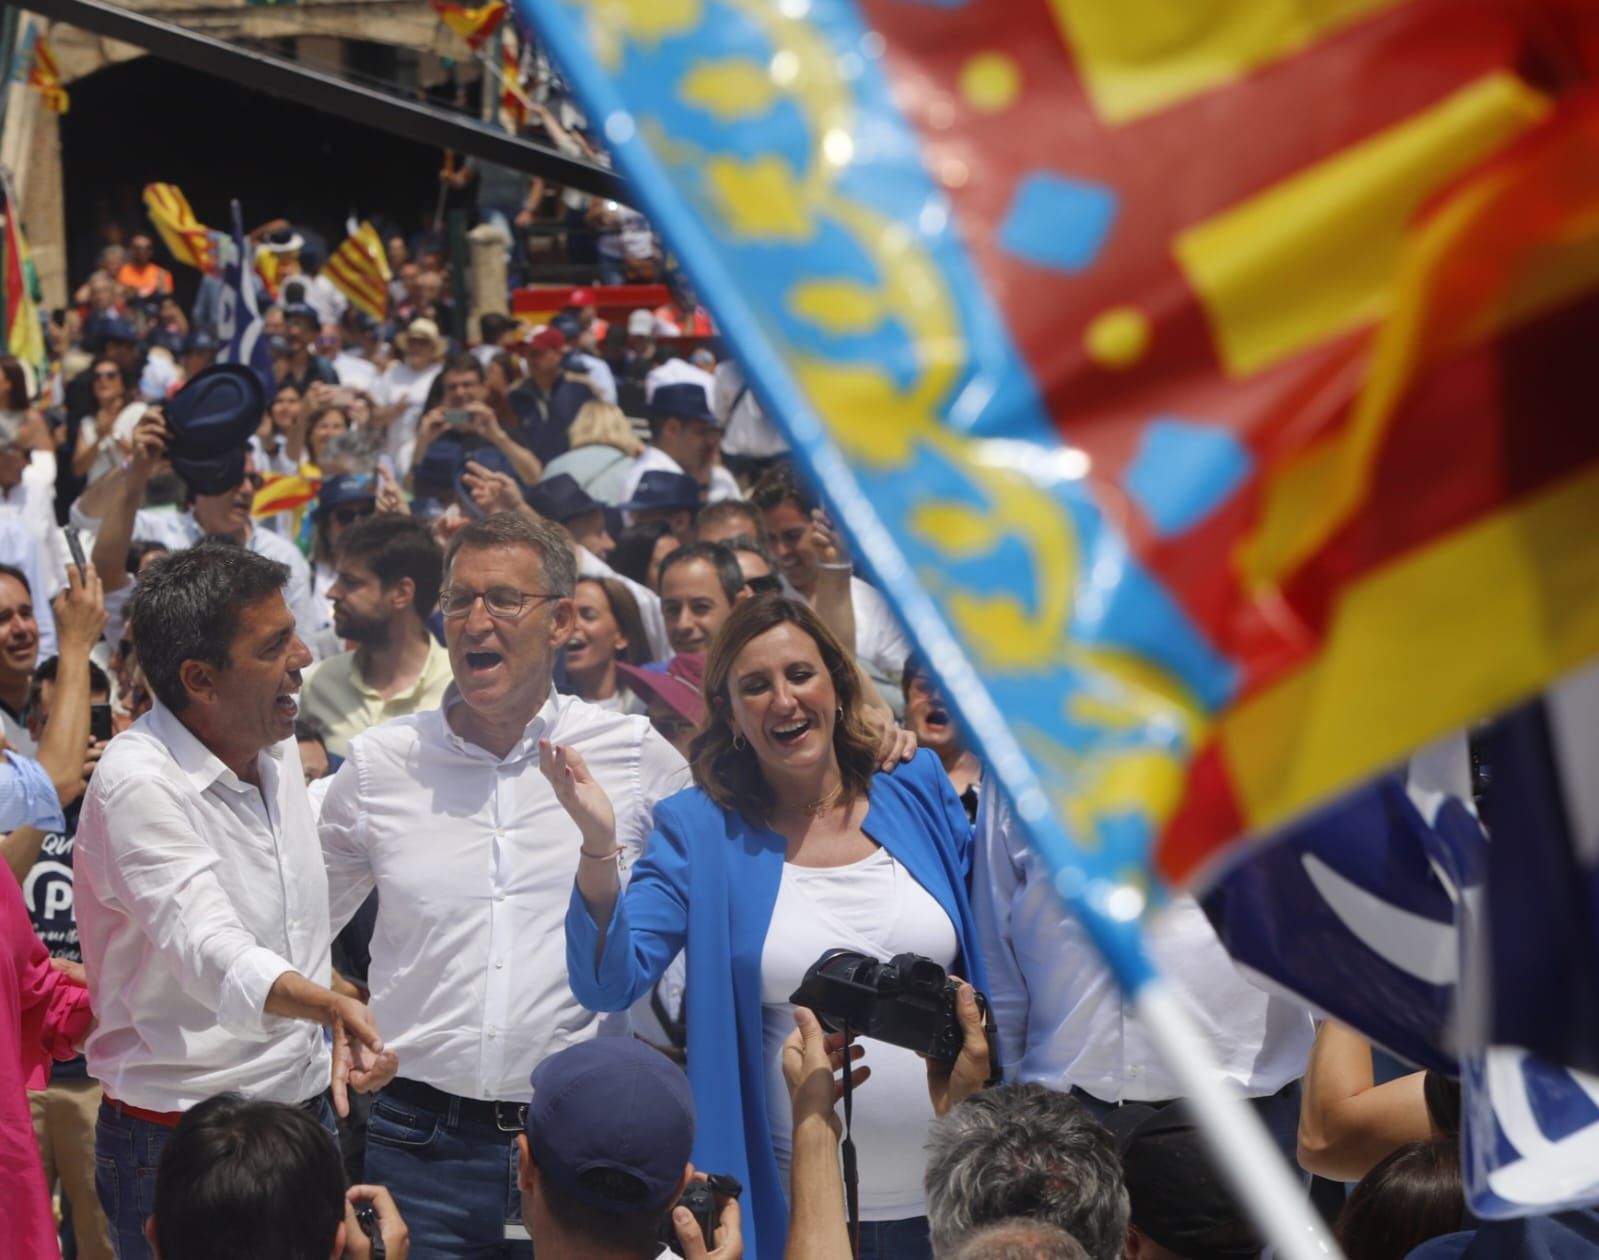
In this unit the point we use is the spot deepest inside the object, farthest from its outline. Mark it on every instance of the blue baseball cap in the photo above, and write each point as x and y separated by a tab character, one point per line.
347	488
685	400
661	489
615	1105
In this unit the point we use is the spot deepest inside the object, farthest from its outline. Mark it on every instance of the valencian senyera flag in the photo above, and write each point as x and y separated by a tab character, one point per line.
475	25
359	268
189	240
44	73
24	336
1208	385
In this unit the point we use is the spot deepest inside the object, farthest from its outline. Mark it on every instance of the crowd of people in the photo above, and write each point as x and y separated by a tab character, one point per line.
428	790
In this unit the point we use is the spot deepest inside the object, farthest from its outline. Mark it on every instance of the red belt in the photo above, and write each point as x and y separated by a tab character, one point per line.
166	1119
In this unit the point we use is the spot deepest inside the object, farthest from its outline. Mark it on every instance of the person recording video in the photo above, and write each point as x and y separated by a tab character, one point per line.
790	845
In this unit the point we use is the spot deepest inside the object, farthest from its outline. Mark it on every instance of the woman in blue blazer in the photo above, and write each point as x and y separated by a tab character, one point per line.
788	845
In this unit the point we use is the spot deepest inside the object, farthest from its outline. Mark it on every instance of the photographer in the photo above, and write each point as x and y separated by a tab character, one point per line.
241	1178
605	1158
774	854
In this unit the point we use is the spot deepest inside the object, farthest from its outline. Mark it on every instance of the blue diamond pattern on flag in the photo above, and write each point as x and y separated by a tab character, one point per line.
240	327
1374	908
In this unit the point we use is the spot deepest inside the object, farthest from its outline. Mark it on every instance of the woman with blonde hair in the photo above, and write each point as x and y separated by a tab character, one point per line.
790	844
601	446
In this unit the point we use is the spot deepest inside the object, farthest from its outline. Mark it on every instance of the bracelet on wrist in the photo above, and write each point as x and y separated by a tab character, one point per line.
602	857
835	566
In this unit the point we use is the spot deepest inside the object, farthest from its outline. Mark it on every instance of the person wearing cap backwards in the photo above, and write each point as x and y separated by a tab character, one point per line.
401	392
548	399
219	409
604	1157
446	815
684	433
669	497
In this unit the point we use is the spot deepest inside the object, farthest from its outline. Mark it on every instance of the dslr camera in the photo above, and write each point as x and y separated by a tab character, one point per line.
699	1197
908	1001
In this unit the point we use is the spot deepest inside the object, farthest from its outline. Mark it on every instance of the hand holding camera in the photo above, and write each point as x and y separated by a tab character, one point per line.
705	1224
374	1229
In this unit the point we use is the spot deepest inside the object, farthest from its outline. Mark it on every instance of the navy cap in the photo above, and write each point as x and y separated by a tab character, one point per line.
685	400
198	341
490	458
569	326
215	413
560	498
612	1104
661	489
301	310
347	488
114	328
216	474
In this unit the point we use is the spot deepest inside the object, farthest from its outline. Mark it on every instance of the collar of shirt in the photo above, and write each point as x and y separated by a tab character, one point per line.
527	747
437	661
201	766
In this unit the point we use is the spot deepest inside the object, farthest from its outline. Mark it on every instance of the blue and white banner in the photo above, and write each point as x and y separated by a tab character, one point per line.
240	328
1393	913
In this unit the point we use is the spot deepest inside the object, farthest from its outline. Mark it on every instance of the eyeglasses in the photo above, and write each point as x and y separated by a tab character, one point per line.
766	584
350	515
505	603
110	374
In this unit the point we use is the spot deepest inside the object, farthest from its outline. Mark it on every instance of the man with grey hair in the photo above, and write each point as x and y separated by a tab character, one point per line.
446	814
1025	1151
1019	1239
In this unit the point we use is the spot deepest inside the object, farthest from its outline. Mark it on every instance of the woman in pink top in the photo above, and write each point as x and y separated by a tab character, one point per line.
44	1014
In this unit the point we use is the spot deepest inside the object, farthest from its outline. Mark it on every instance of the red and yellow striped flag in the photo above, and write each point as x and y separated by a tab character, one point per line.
285	492
44	75
360	269
475	26
191	242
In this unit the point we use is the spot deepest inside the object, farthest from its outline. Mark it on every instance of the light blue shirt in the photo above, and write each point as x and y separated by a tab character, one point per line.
27	797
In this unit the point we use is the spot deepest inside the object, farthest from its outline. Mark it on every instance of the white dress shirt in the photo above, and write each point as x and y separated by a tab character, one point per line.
1060	1016
474	859
21	552
654	459
880	643
31	504
194	892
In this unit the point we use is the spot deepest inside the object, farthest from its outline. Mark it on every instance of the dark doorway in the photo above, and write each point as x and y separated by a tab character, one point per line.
149	120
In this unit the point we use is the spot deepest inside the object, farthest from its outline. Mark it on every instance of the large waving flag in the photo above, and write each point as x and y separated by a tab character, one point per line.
475	25
1205	384
189	240
360	270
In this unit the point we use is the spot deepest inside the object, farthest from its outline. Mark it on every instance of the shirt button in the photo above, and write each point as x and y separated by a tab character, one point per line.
498	963
499	895
491	1034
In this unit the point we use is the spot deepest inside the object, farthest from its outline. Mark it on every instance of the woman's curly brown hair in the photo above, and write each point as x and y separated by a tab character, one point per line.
731	776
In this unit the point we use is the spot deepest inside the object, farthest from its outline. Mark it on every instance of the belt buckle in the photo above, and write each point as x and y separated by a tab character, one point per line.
517	1113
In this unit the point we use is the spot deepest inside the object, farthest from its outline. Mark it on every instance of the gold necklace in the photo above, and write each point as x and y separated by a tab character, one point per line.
817	808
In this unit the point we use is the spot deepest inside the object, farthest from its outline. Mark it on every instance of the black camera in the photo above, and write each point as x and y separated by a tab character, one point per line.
699	1197
908	1001
366	1216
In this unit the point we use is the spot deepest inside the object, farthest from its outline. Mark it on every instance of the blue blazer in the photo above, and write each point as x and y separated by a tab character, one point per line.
706	884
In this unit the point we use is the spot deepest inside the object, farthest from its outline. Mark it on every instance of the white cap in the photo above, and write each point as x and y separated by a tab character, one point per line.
641	324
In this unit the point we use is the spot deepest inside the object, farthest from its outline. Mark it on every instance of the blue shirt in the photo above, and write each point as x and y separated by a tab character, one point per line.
729	870
27	797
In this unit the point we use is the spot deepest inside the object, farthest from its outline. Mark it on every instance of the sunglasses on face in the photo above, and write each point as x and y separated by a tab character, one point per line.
351	513
769	584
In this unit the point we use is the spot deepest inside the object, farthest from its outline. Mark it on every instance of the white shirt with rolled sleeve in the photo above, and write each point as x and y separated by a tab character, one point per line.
1062	1020
474	859
194	892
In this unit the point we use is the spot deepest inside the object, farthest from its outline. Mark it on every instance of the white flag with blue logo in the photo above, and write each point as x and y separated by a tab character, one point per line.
241	331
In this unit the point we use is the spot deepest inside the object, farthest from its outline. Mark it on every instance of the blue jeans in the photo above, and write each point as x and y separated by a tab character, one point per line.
454	1182
127	1152
896	1240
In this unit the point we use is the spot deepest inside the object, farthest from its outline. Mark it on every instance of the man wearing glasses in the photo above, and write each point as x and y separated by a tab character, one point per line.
447	815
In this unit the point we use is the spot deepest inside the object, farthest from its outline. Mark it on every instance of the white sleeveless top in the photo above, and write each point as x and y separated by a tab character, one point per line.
873	907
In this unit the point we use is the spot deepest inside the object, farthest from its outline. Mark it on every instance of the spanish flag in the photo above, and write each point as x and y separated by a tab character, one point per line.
360	269
286	492
44	75
475	26
191	242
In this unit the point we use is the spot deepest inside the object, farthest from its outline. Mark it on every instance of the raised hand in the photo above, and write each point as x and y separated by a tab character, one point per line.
580	795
